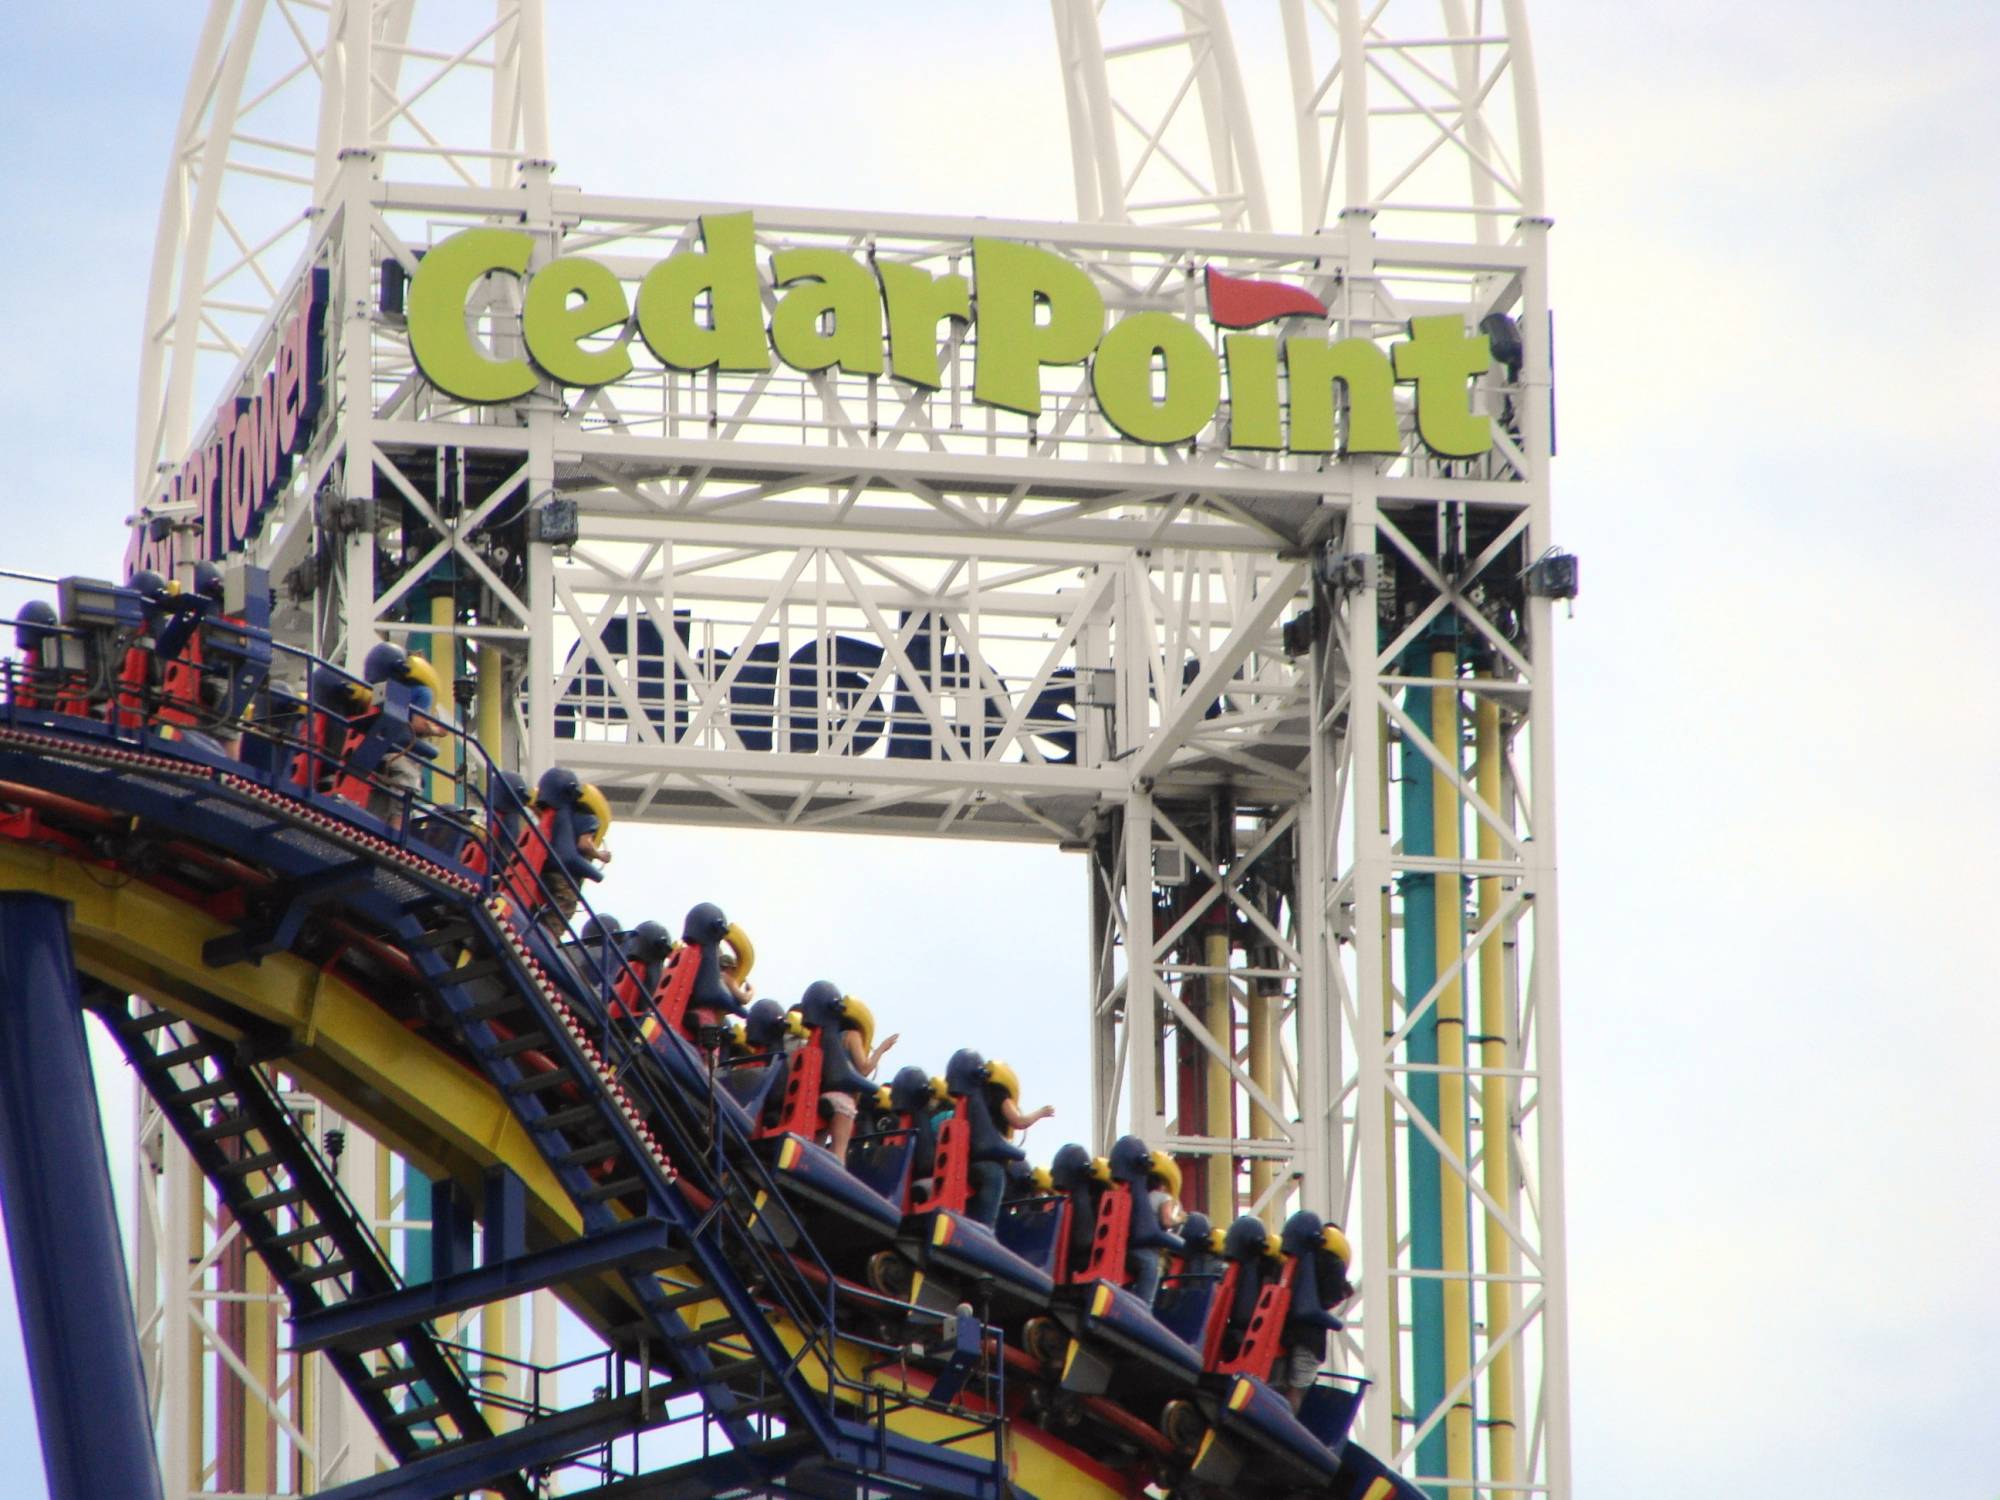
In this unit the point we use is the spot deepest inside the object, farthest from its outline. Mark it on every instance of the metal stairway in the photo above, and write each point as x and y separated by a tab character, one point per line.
658	1182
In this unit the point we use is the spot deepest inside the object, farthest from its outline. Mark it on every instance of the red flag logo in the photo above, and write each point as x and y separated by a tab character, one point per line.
1238	302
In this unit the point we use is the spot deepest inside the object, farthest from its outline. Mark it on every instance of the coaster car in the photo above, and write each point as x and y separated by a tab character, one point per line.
944	1241
1241	1432
863	1197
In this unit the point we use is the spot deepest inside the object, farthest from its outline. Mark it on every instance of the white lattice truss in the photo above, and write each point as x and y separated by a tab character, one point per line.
825	601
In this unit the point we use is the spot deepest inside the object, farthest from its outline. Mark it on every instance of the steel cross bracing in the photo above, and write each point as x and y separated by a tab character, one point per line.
281	91
821	601
1421	114
1159	125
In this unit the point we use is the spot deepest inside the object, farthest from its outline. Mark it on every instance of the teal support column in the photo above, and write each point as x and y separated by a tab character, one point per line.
1424	1206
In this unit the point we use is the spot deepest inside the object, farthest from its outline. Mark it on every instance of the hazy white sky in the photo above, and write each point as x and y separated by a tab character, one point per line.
1776	709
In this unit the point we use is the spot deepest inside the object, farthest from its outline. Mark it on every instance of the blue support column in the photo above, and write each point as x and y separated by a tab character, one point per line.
62	1225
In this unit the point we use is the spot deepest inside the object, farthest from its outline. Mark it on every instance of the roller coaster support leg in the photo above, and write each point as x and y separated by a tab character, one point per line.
62	1227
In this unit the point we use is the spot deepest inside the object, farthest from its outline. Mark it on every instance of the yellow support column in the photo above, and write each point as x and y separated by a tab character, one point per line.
491	702
1262	1023
260	1357
1496	1122
1448	844
444	660
498	1338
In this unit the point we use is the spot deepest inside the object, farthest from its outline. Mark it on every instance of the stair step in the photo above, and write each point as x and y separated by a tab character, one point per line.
225	1128
193	1052
201	1093
265	1202
153	1020
313	1275
294	1237
391	1379
456	932
596	1151
562	1119
416	1416
535	1083
513	1046
505	1004
243	1166
675	1301
709	1333
468	973
615	1189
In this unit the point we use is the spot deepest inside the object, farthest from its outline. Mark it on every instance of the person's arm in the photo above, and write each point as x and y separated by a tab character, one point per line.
882	1051
1011	1112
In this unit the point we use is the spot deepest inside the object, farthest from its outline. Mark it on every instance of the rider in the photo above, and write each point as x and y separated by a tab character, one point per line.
398	775
847	1065
35	633
1319	1284
573	833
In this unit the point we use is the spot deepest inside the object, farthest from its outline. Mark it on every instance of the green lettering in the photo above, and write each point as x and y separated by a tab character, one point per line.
554	328
1121	375
1312	367
725	268
442	344
1440	357
826	282
1252	359
917	302
1014	281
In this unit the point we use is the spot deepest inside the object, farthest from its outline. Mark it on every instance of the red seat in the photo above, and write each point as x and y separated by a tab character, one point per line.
1218	1315
180	686
951	1184
1263	1339
311	766
522	878
798	1106
1111	1237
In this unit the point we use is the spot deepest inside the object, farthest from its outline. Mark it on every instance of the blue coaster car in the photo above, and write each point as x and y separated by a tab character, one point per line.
1257	1441
960	1251
850	1213
1122	1348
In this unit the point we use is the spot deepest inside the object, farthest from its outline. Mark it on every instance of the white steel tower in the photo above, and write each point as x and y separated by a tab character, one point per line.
1293	705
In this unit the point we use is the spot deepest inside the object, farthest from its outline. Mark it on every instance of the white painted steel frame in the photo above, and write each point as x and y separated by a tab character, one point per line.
798	509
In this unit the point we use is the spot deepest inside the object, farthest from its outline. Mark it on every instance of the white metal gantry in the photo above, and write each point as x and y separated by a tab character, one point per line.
1323	879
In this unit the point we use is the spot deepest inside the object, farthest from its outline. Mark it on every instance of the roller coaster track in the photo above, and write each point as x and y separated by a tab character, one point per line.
263	925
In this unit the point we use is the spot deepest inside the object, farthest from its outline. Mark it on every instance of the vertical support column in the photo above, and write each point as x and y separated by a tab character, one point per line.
1447	841
1423	939
355	315
62	1223
1103	872
540	482
1218	1015
1545	980
1321	1154
1373	1005
1496	1115
183	1397
1142	1032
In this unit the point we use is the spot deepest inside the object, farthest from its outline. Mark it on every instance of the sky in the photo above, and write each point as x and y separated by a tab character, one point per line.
1778	786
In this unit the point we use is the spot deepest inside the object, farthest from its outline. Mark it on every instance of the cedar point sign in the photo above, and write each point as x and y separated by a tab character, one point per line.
1155	377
